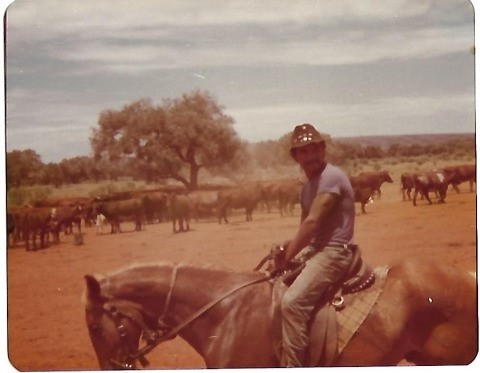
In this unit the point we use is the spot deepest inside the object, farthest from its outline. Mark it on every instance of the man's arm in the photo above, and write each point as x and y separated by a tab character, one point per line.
321	207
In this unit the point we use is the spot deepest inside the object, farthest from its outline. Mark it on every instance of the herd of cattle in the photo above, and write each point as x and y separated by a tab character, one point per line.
47	219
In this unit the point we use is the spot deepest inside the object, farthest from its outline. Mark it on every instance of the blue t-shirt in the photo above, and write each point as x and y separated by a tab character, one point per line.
338	227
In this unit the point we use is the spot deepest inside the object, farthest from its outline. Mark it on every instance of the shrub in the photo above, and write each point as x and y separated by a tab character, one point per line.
24	195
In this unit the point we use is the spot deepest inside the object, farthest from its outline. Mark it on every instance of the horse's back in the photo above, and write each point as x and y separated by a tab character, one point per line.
426	314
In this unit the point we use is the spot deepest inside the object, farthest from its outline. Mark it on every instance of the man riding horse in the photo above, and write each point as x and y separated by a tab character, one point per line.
323	241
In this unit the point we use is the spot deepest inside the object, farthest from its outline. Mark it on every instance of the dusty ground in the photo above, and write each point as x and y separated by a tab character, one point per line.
46	328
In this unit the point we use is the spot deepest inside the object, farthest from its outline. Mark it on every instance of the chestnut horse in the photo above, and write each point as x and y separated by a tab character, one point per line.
426	314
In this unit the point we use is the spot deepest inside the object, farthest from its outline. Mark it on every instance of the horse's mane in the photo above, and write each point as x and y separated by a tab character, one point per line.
104	279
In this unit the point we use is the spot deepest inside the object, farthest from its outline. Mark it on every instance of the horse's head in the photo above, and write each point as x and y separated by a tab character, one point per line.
114	326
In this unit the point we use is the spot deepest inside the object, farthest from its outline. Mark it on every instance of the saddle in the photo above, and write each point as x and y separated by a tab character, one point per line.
323	346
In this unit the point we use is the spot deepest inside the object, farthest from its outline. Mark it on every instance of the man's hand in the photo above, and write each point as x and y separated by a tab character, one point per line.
278	263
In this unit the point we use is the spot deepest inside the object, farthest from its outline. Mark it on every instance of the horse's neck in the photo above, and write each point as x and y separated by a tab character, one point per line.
177	293
196	288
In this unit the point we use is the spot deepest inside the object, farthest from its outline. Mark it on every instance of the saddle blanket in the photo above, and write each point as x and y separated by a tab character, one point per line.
357	308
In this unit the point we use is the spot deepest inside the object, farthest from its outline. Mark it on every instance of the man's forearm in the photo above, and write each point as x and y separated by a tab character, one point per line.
303	237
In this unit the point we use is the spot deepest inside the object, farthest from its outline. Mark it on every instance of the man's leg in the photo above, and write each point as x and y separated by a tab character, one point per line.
323	269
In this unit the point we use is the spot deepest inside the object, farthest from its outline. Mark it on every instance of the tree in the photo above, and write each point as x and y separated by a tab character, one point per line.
175	140
77	169
51	174
22	167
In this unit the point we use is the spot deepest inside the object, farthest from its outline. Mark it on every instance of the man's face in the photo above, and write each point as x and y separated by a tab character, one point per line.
311	158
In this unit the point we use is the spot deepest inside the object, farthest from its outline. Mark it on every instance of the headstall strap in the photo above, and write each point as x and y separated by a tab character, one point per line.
116	313
173	279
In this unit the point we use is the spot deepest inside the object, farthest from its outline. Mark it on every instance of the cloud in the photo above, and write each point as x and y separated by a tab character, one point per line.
272	63
135	36
399	115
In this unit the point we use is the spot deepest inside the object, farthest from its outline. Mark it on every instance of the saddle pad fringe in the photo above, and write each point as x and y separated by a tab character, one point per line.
358	306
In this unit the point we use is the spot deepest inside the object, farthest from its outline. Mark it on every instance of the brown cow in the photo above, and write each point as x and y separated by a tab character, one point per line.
35	221
289	195
372	180
269	193
407	180
180	208
437	181
462	173
246	196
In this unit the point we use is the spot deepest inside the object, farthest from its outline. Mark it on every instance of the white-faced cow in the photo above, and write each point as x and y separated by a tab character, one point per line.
372	180
432	181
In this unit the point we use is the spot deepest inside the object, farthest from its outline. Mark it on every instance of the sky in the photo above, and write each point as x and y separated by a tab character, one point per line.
351	68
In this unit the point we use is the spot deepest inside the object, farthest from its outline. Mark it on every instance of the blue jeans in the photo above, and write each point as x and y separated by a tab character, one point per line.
323	268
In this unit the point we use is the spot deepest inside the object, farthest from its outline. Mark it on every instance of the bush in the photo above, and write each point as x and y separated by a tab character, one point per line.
24	195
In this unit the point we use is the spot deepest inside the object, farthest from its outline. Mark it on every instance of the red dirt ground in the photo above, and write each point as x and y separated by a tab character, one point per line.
46	327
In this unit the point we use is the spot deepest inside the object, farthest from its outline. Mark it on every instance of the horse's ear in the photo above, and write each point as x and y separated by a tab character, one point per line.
93	286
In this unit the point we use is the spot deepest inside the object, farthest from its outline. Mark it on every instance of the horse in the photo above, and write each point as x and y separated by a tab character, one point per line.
426	315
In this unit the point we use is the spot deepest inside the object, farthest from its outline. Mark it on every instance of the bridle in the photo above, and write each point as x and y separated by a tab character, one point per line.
119	310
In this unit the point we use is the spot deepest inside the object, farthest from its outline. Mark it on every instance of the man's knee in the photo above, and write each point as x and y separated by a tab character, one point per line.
289	305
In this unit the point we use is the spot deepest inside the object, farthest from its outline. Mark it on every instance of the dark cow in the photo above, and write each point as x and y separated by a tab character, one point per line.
180	208
117	211
372	180
363	196
35	221
15	231
246	197
462	173
155	205
407	181
432	181
204	204
289	195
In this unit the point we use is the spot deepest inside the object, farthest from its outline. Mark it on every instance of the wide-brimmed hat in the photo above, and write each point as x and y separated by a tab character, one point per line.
304	134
